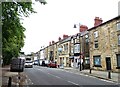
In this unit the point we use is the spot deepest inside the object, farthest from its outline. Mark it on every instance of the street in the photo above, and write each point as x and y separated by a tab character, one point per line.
54	76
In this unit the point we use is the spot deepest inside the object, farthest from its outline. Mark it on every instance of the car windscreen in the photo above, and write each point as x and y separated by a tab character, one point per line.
28	62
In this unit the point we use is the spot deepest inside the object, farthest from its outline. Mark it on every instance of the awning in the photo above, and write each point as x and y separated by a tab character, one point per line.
71	57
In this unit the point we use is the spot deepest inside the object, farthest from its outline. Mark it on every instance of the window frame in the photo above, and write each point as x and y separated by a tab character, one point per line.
119	39
96	58
96	43
96	34
118	26
117	61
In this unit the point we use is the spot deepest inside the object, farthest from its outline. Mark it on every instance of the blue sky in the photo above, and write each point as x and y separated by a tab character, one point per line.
57	17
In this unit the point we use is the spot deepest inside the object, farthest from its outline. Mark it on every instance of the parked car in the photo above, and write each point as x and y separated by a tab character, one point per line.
28	64
17	65
36	62
45	63
52	65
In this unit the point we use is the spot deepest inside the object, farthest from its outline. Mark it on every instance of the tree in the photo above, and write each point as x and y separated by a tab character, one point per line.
12	29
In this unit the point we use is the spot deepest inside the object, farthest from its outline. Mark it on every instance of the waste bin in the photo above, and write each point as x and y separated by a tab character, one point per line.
17	65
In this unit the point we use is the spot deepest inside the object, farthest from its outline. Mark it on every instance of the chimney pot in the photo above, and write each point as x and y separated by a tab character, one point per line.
59	38
65	36
97	21
83	28
53	42
49	43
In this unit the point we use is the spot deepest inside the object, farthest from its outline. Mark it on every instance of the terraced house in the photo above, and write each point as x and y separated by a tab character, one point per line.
105	44
97	47
64	51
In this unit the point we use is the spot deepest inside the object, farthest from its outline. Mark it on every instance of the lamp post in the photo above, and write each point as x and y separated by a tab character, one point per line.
78	38
79	46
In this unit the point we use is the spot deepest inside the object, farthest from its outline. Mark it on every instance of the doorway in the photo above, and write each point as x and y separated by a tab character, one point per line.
108	63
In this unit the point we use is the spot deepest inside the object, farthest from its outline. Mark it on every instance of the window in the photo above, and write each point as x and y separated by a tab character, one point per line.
95	34
72	48
118	26
96	43
72	41
87	61
118	60
65	47
78	39
77	48
118	39
86	38
97	61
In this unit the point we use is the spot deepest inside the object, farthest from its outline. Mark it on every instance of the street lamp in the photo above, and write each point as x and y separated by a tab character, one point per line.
79	50
79	46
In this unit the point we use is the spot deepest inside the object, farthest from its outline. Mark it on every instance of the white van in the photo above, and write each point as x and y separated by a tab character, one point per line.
28	63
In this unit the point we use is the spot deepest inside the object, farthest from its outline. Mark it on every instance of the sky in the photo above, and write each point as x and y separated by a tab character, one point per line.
58	17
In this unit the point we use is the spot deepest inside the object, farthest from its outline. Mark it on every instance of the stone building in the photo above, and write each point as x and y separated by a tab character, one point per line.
64	50
104	43
51	52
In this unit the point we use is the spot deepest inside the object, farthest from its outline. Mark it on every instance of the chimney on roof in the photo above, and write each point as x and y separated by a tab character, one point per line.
49	43
59	38
83	28
53	42
97	21
65	36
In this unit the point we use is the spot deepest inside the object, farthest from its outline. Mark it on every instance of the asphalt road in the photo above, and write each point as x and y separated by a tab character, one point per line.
54	76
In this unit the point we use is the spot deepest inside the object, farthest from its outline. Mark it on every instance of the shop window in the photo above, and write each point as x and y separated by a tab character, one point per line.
97	61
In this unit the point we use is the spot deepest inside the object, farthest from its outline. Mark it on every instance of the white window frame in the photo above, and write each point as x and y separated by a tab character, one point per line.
95	34
118	26
119	39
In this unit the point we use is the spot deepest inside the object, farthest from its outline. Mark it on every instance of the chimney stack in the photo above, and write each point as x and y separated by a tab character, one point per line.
83	28
97	21
49	43
59	38
65	36
53	42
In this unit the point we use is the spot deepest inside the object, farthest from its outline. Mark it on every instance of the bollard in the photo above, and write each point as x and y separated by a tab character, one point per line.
90	70
9	82
109	74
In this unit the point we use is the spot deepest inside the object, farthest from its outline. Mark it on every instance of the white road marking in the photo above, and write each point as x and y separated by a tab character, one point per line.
72	82
58	77
107	81
51	74
88	76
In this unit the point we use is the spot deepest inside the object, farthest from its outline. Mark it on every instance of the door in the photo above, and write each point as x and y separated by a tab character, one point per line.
108	63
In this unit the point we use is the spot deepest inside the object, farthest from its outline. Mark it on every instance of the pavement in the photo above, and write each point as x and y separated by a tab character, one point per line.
115	77
13	78
24	80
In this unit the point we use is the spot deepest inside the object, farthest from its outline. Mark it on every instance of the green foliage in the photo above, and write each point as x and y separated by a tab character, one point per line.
12	30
